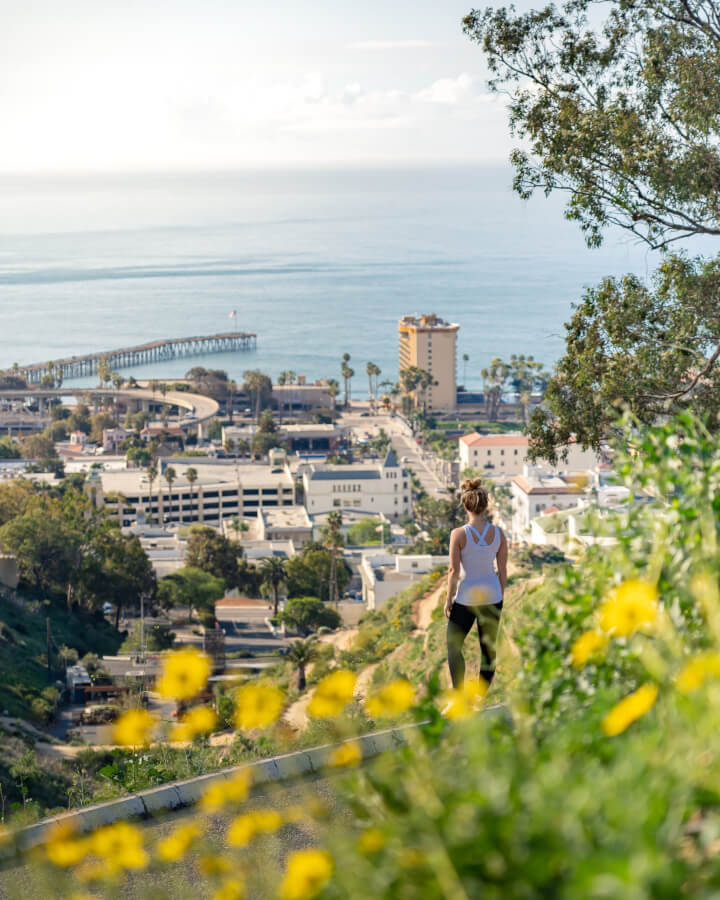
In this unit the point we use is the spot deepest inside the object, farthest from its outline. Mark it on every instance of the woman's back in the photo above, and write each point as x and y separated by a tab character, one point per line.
479	584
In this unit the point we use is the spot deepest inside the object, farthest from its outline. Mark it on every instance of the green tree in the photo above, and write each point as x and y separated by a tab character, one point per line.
333	390
152	474
617	105
630	346
191	587
170	476
494	378
213	553
258	386
347	375
301	654
192	476
333	539
309	573
38	446
9	449
272	573
306	614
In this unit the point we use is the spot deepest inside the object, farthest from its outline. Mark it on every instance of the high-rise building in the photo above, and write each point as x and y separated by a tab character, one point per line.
430	343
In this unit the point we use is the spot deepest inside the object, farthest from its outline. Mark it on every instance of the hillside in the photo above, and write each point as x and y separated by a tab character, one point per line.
23	650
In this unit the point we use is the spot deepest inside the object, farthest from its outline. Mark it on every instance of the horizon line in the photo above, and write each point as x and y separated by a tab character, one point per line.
256	166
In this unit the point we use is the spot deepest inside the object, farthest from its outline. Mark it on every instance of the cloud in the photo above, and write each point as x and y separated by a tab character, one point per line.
449	91
392	45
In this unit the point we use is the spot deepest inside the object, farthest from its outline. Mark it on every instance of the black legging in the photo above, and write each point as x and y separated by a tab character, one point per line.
460	622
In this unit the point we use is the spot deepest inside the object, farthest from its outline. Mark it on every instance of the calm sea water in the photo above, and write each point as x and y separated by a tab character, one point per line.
316	263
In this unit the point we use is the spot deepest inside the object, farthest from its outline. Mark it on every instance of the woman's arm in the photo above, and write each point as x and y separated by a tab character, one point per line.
502	557
453	568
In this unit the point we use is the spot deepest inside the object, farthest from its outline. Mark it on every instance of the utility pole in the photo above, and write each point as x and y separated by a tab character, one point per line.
48	638
142	628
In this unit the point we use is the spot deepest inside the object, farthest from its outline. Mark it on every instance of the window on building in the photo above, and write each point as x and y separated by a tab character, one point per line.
336	502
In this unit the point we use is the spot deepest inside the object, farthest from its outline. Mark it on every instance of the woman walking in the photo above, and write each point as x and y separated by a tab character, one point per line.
476	550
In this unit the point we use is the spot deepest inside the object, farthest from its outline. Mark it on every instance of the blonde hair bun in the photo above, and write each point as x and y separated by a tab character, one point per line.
471	484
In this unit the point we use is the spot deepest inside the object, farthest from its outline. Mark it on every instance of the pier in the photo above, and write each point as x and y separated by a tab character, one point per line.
155	351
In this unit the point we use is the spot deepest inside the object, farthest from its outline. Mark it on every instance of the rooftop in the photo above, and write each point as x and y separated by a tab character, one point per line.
344	473
511	438
426	322
208	473
285	517
550	484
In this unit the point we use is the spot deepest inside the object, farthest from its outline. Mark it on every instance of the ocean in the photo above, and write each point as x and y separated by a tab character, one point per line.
316	262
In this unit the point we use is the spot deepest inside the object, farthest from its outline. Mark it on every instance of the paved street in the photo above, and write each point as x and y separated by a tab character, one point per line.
404	446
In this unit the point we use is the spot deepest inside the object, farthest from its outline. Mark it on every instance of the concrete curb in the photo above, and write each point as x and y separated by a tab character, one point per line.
177	794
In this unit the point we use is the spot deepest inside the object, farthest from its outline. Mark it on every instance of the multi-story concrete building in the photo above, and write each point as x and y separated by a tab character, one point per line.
430	343
380	488
506	454
222	489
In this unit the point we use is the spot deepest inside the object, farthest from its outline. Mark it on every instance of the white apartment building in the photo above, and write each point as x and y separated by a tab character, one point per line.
506	454
223	489
372	489
533	493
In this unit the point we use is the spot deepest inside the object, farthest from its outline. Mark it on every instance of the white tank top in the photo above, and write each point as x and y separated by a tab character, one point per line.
479	583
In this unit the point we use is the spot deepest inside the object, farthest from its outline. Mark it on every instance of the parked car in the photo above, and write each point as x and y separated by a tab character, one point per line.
107	609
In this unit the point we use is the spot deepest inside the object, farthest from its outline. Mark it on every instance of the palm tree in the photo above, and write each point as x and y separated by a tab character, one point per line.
192	476
152	474
232	389
372	370
333	391
301	653
347	374
465	359
333	540
170	476
272	570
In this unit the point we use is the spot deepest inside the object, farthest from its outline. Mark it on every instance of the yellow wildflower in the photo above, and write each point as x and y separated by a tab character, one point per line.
230	790
696	672
586	646
463	702
184	674
411	858
371	841
392	700
629	709
631	607
230	890
64	849
133	728
120	845
308	871
257	706
332	694
199	720
177	844
213	865
347	754
244	828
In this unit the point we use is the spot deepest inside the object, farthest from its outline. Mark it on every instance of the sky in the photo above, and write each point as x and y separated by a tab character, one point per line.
98	85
